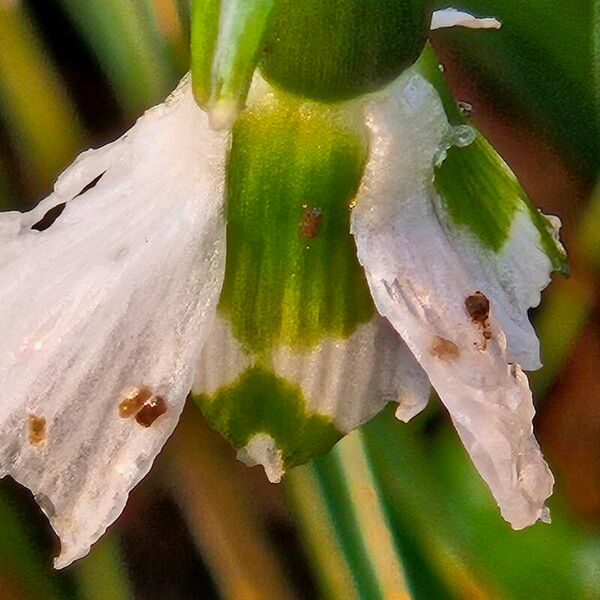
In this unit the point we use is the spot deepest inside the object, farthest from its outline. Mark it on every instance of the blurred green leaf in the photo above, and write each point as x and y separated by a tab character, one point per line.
428	482
35	108
101	574
131	49
21	560
542	62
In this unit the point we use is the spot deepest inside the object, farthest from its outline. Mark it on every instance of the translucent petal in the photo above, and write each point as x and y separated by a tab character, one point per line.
103	314
451	17
421	282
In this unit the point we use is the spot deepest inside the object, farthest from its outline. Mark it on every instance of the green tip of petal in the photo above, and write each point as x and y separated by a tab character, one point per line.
259	408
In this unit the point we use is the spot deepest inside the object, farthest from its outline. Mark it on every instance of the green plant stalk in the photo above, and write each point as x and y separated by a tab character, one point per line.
381	550
102	573
20	558
39	116
326	556
344	516
226	38
126	40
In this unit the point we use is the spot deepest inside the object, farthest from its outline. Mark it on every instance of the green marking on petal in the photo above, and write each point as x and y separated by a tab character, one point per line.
292	275
259	402
479	190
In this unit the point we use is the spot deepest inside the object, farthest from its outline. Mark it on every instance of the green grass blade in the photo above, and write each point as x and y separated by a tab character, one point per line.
130	48
34	106
102	574
542	64
326	557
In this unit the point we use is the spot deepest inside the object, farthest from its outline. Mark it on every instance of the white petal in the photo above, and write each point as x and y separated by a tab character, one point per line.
117	294
450	17
514	277
351	380
420	283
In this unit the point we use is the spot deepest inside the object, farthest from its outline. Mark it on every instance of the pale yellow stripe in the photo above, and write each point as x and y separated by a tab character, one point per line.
334	578
371	518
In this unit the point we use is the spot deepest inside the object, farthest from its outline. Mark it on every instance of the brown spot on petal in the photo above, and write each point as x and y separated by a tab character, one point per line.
444	349
478	307
134	401
311	222
37	429
151	411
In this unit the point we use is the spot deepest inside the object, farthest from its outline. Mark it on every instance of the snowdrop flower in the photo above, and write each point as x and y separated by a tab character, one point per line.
270	270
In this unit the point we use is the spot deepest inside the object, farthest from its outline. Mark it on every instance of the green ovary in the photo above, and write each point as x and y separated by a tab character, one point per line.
292	276
337	49
260	402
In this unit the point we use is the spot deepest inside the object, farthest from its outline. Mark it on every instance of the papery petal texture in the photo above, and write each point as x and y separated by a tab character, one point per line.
103	314
422	282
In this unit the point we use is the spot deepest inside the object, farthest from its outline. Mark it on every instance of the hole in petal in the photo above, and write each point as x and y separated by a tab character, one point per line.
37	429
151	411
50	217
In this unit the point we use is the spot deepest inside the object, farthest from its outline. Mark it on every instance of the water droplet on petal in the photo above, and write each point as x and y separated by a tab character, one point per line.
463	135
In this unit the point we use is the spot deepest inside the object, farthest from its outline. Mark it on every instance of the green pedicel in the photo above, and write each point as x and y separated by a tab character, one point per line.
260	402
292	276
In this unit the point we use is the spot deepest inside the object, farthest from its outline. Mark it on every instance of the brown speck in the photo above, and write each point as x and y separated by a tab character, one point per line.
311	222
151	411
478	307
134	401
444	349
37	430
